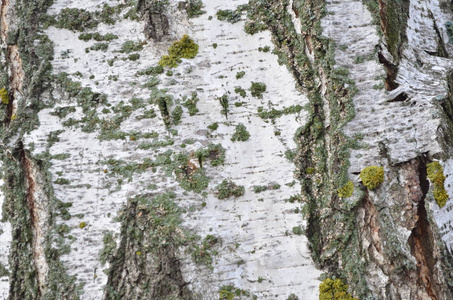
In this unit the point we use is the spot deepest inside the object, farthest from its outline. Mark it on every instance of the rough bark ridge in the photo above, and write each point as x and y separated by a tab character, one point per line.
36	272
156	22
388	234
146	265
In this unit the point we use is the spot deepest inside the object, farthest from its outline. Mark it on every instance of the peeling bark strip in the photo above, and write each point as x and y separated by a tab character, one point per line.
37	202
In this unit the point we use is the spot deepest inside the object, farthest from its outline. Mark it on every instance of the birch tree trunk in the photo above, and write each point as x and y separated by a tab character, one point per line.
210	149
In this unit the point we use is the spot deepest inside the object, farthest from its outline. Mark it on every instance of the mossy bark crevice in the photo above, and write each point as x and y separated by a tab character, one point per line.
393	18
30	205
446	130
36	270
38	207
156	22
146	264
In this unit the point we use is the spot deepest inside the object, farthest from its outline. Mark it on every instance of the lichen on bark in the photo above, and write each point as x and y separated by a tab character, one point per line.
30	205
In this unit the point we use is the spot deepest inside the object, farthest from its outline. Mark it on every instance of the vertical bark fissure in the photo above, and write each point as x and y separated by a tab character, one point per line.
393	15
35	202
421	241
14	62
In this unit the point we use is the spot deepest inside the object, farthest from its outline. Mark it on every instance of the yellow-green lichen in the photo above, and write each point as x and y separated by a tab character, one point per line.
436	175
372	177
185	48
82	225
4	96
331	289
346	190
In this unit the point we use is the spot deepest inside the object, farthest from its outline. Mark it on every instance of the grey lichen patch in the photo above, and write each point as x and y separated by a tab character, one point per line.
214	153
261	188
202	253
273	113
189	176
191	103
194	8
229	292
80	19
228	188
231	16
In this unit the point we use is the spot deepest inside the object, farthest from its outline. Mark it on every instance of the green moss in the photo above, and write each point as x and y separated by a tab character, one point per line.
229	15
331	289
224	101
346	190
177	114
108	250
73	19
252	27
188	175
449	29
97	37
62	112
226	293
191	103
4	96
82	225
240	91
153	70
131	46
240	74
275	113
184	48
62	181
203	253
151	235
194	8
99	47
297	230
394	26
213	126
290	154
228	188
261	188
372	177
134	56
338	251
257	89
164	102
155	144
435	173
214	153
240	133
